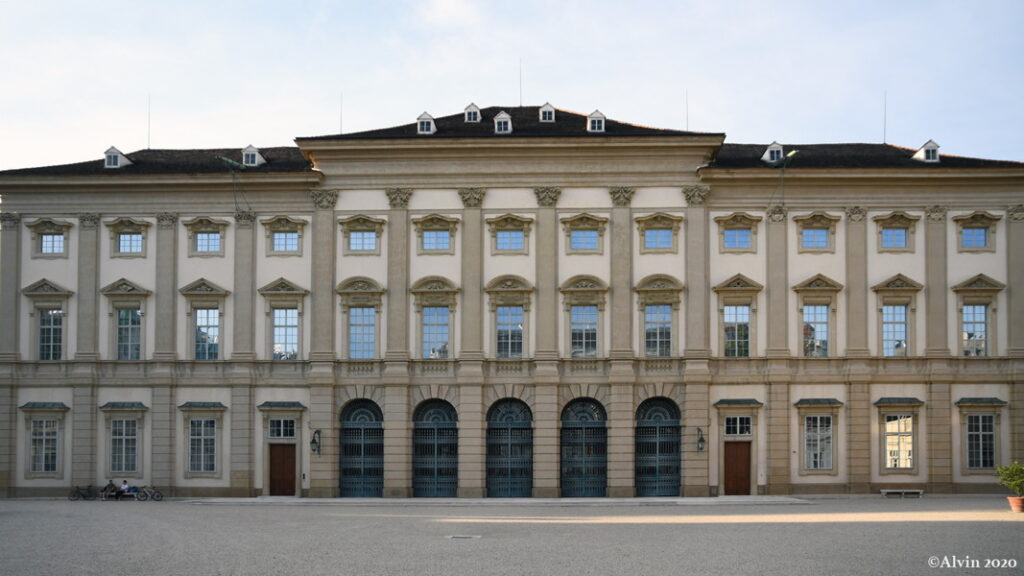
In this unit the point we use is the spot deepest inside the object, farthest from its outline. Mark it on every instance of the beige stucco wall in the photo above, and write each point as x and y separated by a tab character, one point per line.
802	266
725	265
296	269
132	394
885	265
965	265
141	271
912	390
43	394
840	434
202	394
60	271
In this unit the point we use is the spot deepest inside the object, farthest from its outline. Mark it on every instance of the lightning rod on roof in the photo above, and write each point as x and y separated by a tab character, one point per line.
687	109
885	115
341	112
520	81
149	118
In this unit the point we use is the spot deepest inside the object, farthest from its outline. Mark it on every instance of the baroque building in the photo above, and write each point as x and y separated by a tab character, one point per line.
517	301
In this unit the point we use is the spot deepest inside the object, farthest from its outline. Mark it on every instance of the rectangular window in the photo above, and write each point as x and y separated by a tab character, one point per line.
737	425
894	330
44	446
113	160
510	240
899	441
547	115
282	428
51	243
362	333
123	445
435	332
596	125
425	126
437	240
286	334
51	334
129	243
981	441
202	448
818	442
894	238
657	238
583	320
975	330
472	116
362	241
129	334
975	237
737	238
285	242
736	321
816	331
583	240
814	238
249	159
207	333
658	330
501	126
510	331
208	242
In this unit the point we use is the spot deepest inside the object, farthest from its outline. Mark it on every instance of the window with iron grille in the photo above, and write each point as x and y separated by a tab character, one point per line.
435	332
282	428
583	320
899	441
894	330
818	442
202	449
207	343
736	321
510	331
362	333
123	445
658	330
737	425
44	446
129	334
51	334
981	441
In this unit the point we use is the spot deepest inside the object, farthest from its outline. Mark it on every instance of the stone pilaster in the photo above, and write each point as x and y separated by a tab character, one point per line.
396	354
163	419
777	284
472	442
621	440
472	312
397	443
83	435
698	323
546	443
1017	419
1015	280
323	319
546	413
10	263
779	454
242	437
858	448
243	319
936	285
620	409
87	330
940	435
696	408
857	309
166	293
324	480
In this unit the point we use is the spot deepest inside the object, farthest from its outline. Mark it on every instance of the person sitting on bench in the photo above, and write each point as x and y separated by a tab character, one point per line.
122	491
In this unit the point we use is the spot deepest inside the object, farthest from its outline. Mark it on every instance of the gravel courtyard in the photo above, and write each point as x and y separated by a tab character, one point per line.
729	536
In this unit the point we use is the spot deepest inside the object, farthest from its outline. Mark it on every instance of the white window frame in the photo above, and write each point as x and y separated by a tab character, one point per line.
126	295
435	223
580	222
282	294
992	407
204	295
127	226
283	225
979	290
435	292
545	110
360	292
977	220
584	290
658	290
738	290
738	221
659	221
503	123
361	224
205	225
896	221
819	290
898	291
511	291
596	122
131	411
202	411
819	408
47	297
44	227
816	221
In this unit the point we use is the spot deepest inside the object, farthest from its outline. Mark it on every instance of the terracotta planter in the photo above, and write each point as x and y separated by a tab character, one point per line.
1016	503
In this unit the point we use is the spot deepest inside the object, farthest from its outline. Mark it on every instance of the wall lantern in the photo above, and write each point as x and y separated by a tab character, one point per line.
700	440
314	444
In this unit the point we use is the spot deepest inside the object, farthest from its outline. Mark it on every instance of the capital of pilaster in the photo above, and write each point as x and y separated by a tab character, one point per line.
166	220
472	197
324	199
622	196
935	213
9	220
1016	213
399	197
696	194
856	213
547	197
89	221
245	218
777	213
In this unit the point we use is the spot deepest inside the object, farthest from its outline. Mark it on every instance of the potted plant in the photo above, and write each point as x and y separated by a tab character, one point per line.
1012	476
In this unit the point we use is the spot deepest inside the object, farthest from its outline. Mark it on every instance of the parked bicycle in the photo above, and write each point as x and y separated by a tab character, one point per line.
87	493
147	492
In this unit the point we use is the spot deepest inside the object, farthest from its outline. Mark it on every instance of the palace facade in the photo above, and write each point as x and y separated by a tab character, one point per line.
505	302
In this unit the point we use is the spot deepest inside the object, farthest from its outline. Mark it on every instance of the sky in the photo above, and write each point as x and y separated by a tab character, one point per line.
82	76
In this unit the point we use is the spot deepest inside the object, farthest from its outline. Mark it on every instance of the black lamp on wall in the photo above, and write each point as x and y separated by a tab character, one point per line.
314	444
700	440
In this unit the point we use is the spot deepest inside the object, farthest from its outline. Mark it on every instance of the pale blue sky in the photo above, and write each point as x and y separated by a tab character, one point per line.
225	74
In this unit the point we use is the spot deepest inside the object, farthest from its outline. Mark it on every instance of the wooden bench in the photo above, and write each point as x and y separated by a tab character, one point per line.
903	492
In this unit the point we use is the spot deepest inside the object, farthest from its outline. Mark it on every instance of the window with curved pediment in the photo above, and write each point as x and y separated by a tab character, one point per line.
284	235
896	232
584	300
584	234
435	299
205	237
49	238
510	234
976	232
361	235
284	306
361	300
509	300
659	233
817	232
658	299
737	233
49	311
435	234
128	237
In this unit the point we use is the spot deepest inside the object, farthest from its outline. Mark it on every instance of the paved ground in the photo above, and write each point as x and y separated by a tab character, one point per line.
858	535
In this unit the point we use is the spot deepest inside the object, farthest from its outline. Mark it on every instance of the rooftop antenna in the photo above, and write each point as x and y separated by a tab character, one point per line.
885	115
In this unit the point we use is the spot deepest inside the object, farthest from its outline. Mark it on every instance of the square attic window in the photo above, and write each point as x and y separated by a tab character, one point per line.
249	159
112	161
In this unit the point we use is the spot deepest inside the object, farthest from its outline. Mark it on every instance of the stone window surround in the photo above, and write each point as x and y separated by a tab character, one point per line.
658	221
981	406
281	294
893	407
435	222
738	291
282	410
125	225
584	221
583	290
977	219
360	292
738	221
125	411
205	224
819	407
509	222
434	291
126	295
738	407
983	291
361	223
658	290
48	226
896	220
283	224
898	291
819	290
817	219
44	411
509	290
204	295
203	411
46	295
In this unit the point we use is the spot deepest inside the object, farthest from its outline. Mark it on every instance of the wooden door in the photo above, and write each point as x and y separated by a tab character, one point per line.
737	468
282	469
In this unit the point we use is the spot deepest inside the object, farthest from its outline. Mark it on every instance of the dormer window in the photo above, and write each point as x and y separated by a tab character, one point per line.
595	122
113	158
251	157
112	161
774	154
425	124
547	113
927	153
931	155
503	123
472	113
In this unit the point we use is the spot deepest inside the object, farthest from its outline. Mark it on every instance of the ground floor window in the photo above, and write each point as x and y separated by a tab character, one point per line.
202	448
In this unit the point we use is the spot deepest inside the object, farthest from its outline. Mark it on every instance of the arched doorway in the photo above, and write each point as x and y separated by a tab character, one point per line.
657	448
435	450
362	450
509	450
584	449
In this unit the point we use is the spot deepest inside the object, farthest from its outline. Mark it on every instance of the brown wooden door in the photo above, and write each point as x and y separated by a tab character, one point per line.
282	469
737	468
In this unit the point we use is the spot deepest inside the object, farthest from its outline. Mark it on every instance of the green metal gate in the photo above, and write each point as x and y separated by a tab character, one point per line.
509	450
584	449
657	448
435	457
362	450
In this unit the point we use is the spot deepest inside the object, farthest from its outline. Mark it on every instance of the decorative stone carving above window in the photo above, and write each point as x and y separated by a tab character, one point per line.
283	225
580	222
738	286
735	224
898	220
361	223
547	197
398	198
360	292
435	223
816	221
282	293
124	288
509	223
584	290
622	196
127	226
472	197
205	225
696	194
434	291
818	284
975	221
49	237
204	294
659	221
658	289
509	290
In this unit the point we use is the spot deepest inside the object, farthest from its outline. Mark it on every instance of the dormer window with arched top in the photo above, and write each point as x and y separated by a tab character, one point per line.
595	122
547	113
472	113
425	124
503	123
